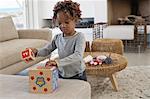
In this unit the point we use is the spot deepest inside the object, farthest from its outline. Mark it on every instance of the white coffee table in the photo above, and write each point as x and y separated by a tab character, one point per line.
17	87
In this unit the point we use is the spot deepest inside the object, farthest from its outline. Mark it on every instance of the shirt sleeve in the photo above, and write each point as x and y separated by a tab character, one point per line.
77	56
46	50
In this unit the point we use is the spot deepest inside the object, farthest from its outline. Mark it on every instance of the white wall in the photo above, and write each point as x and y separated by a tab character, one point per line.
100	11
90	8
46	8
87	8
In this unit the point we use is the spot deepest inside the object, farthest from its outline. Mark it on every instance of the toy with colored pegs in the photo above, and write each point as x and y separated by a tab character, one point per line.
99	60
95	62
43	80
27	55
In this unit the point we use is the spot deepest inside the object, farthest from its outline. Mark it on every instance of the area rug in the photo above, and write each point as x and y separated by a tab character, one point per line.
134	83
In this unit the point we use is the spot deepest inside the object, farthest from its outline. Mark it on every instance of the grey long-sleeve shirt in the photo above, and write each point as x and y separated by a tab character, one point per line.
70	50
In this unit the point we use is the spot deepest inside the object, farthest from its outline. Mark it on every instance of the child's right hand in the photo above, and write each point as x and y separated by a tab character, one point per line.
34	50
51	63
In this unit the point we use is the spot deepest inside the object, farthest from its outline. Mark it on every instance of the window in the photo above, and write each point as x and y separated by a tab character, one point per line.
16	9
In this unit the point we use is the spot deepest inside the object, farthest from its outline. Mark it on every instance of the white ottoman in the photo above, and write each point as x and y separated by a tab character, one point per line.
123	32
17	87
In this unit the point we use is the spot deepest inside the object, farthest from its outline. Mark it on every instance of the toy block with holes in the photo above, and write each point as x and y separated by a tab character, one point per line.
43	80
27	55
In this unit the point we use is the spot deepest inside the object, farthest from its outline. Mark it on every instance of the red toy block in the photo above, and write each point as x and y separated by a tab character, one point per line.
28	55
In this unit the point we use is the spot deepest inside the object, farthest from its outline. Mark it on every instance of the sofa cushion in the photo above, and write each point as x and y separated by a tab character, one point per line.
17	87
10	52
7	29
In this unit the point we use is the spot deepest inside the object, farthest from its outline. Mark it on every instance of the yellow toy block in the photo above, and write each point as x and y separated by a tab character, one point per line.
43	80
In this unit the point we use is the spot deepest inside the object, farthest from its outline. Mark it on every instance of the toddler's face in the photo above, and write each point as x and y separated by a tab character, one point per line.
66	24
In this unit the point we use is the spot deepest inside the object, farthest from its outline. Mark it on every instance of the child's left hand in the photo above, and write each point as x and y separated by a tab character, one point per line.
51	63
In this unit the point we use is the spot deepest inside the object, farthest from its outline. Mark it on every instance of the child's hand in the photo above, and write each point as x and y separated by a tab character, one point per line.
51	63
34	50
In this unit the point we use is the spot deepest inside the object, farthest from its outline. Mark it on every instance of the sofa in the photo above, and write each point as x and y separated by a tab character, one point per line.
17	87
13	41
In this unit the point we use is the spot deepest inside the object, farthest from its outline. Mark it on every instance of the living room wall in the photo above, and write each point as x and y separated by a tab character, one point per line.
122	8
145	9
116	9
90	8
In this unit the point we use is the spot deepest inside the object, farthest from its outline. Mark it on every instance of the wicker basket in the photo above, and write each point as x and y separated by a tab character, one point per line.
107	45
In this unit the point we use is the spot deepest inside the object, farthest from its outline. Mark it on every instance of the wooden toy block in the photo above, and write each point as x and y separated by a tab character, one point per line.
43	80
28	55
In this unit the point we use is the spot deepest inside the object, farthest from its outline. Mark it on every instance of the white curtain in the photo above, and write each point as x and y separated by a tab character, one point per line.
16	9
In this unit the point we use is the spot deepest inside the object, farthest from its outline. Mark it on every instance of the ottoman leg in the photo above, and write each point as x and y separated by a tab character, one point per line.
114	82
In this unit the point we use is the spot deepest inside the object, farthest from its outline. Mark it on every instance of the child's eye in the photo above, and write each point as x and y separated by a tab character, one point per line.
59	23
67	22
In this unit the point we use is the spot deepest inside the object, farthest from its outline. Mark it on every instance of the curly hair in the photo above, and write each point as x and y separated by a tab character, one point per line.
69	7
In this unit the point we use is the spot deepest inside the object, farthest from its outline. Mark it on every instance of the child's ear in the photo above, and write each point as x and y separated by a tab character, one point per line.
76	20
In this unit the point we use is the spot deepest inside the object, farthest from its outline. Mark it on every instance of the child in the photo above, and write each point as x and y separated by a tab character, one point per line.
70	44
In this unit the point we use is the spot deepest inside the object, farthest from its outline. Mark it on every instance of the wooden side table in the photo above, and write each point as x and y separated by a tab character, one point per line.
108	70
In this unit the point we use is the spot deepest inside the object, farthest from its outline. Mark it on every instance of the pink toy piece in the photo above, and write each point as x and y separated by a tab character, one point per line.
92	62
95	62
100	62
